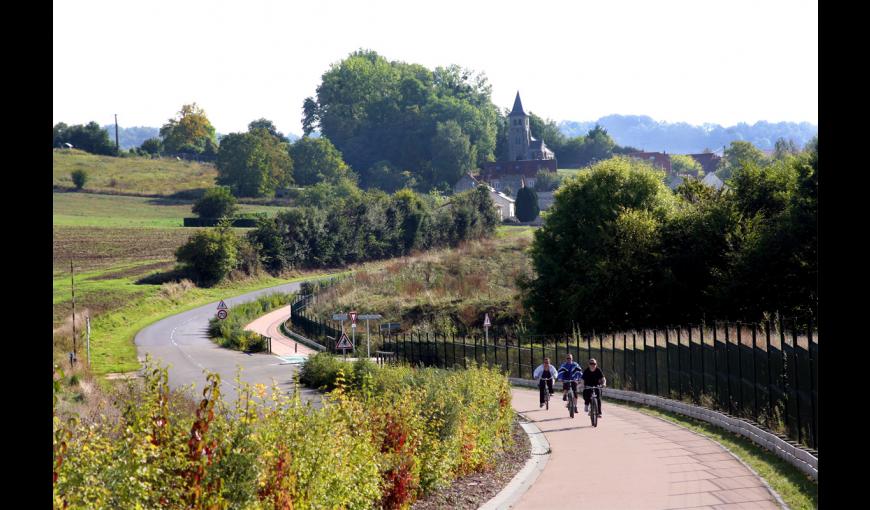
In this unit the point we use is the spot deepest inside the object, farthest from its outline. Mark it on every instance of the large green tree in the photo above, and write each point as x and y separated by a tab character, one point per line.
593	257
317	160
738	154
452	153
254	164
527	204
189	133
375	110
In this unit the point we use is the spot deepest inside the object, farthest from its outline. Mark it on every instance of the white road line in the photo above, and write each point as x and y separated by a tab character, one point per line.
172	338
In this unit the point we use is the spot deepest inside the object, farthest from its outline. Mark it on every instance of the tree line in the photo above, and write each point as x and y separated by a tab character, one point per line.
621	250
365	225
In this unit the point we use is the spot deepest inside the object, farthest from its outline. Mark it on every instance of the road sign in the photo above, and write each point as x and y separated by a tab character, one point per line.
486	322
339	316
369	316
390	326
353	318
344	342
222	305
222	314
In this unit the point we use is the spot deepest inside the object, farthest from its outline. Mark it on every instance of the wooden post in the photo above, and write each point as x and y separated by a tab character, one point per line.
73	277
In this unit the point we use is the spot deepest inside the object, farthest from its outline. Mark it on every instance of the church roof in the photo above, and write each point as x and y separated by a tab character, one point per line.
518	106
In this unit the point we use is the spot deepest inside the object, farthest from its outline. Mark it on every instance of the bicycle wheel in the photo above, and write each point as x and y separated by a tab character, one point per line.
571	406
593	411
547	398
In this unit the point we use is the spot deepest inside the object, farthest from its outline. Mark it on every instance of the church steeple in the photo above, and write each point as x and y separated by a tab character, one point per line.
520	134
518	106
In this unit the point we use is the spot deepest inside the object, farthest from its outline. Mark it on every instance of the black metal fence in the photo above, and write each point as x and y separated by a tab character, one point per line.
766	373
763	372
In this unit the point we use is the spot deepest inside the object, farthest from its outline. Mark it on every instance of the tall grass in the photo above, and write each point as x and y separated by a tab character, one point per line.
383	438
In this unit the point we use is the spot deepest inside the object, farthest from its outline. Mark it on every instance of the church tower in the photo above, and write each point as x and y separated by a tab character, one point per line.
519	134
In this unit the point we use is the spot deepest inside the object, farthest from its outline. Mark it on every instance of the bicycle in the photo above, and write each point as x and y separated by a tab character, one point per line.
594	404
572	398
542	386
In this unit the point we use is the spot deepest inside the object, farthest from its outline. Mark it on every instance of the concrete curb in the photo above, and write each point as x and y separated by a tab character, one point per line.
796	456
523	480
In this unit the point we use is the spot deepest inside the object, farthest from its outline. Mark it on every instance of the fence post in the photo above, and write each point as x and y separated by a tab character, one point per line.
770	407
797	366
624	359
656	362
691	366
645	369
507	355
464	354
679	363
634	359
742	403
668	360
784	378
703	367
588	347
814	417
754	374
519	357
728	371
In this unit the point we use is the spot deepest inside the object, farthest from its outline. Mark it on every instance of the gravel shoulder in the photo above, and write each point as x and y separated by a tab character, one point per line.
470	492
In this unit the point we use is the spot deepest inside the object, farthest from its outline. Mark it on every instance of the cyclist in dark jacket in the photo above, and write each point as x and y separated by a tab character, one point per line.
569	372
592	376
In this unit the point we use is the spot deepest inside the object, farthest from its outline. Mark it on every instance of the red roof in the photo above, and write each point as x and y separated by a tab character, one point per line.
526	168
658	159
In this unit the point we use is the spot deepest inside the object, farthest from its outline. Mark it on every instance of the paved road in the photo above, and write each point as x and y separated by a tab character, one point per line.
270	325
633	461
182	342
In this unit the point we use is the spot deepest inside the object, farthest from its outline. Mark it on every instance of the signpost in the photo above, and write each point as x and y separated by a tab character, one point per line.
486	325
368	317
353	316
343	344
352	327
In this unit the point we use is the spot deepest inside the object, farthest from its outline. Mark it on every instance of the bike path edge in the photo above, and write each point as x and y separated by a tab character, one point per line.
523	480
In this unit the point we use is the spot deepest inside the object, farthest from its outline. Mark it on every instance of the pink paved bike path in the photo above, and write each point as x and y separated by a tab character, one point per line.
633	461
268	325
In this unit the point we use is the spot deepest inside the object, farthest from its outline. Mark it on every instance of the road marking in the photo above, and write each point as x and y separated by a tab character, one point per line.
172	339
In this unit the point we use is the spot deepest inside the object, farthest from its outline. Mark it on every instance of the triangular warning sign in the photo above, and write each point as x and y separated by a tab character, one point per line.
222	305
344	342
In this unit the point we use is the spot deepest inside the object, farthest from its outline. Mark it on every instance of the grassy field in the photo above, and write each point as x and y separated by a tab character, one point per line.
131	175
796	489
443	290
96	210
568	172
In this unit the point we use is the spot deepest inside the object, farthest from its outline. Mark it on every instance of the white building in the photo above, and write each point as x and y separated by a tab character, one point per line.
503	203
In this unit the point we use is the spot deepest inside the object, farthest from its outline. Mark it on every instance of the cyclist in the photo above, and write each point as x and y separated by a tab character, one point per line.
592	376
569	372
545	373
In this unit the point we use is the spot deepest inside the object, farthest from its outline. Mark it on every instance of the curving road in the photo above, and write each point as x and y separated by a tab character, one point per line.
181	342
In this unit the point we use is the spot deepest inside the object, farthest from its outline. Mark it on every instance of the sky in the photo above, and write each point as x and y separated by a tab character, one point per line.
711	61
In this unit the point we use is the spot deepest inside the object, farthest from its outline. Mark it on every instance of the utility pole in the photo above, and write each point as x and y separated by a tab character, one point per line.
88	322
117	144
73	276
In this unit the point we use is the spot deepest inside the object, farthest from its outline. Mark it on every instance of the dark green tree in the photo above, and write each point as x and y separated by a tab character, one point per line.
153	146
209	255
217	202
254	164
527	204
317	160
79	178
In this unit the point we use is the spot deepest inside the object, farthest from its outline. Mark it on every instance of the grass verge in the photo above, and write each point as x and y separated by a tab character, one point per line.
796	489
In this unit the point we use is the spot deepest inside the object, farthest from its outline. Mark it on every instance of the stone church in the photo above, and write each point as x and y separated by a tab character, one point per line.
526	155
521	144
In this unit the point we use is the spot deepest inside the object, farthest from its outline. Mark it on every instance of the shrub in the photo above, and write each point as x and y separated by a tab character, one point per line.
320	371
378	441
527	204
79	178
210	254
217	202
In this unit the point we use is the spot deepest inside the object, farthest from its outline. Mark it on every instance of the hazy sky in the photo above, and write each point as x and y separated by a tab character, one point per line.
694	61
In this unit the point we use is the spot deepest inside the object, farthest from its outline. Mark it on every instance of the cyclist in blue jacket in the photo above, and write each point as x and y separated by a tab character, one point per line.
569	372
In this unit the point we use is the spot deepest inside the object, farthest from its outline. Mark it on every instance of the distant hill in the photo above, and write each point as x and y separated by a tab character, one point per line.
131	136
134	136
643	132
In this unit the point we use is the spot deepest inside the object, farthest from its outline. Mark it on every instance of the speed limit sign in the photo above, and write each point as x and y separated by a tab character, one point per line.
222	314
